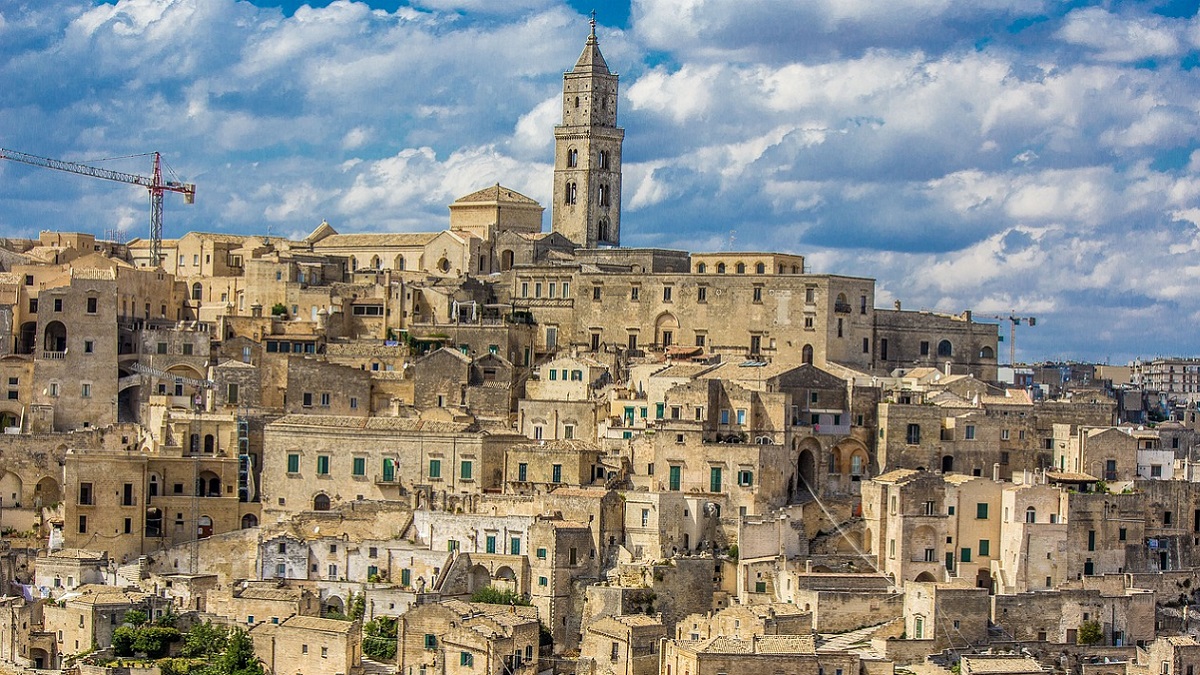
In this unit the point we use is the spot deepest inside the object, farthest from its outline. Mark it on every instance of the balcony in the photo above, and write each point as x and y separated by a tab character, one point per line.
841	307
54	356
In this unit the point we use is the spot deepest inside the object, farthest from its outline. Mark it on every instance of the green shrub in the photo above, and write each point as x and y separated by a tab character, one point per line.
495	596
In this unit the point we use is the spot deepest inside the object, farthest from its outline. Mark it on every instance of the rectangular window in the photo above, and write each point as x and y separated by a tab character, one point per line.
674	478
82	524
702	294
430	641
58	304
595	292
359	467
913	435
634	292
741	416
514	546
85	390
556	473
924	348
541	554
965	555
322	465
714	479
466	659
435	468
985	547
523	472
490	543
970	432
307	399
757	296
465	470
981	511
745	478
666	293
231	393
293	463
324	400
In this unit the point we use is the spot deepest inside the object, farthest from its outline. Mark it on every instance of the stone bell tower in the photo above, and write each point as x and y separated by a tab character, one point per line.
587	153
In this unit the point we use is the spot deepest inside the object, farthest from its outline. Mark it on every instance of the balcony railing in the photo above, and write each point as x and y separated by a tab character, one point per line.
54	356
841	307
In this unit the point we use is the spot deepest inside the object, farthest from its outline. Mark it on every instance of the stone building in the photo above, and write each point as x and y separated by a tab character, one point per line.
248	603
459	637
308	643
623	645
90	616
759	654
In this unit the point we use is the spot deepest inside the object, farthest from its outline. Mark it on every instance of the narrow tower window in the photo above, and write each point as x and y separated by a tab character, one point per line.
572	158
603	159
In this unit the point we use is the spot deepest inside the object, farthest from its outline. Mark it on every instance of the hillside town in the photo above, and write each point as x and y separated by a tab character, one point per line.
492	449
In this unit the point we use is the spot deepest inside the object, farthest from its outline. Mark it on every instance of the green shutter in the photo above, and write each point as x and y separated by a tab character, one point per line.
674	479
360	466
435	468
293	463
714	479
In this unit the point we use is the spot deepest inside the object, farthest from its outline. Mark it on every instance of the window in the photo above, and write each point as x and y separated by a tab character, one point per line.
430	641
325	400
82	524
161	348
306	400
359	467
965	555
293	463
543	581
490	543
602	159
702	294
666	293
714	479
757	295
523	471
514	546
466	659
745	478
92	305
866	346
913	435
572	158
1091	540
985	547
970	432
435	468
924	348
1004	434
231	393
322	465
595	292
85	390
1110	469
465	470
58	304
541	553
981	511
674	478
556	473
1156	470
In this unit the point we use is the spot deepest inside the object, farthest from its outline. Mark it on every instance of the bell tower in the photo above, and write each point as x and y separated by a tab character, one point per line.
587	153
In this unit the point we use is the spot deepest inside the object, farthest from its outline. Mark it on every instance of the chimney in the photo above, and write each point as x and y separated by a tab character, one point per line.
896	304
996	472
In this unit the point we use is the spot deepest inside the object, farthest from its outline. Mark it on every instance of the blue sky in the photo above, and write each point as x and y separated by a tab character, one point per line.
1026	155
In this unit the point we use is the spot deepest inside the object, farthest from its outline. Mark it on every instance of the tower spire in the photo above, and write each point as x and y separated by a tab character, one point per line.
593	24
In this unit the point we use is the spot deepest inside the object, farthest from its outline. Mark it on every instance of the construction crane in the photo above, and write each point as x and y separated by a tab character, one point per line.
154	184
1013	320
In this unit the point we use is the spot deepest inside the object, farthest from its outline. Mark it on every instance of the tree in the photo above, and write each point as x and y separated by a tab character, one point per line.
205	639
122	641
358	606
379	638
1089	633
238	657
495	596
135	617
279	309
154	640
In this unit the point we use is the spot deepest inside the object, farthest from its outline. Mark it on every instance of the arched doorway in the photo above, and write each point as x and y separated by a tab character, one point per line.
27	338
806	354
10	488
55	337
947	464
666	328
505	579
249	521
944	348
47	492
321	502
333	605
204	527
807	466
210	444
478	578
208	484
506	260
983	579
197	291
41	660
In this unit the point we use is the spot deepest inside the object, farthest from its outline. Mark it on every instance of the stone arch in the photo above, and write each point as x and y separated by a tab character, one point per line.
760	268
478	577
11	487
721	268
947	463
701	268
806	354
983	579
47	492
505	579
925	577
987	353
333	605
399	263
249	520
806	466
507	257
208	484
27	337
9	419
40	658
55	337
321	502
204	527
376	263
197	291
944	348
740	267
666	329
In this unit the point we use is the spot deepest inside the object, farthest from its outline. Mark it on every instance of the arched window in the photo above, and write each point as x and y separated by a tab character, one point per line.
55	337
569	193
741	268
987	353
602	159
321	502
701	268
806	354
602	230
760	269
1031	515
400	263
604	195
576	101
197	291
375	262
945	349
572	158
720	268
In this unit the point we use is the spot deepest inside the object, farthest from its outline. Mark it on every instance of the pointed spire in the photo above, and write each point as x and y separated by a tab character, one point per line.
591	60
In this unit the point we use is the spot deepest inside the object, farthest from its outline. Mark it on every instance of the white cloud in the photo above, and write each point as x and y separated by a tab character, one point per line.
1113	37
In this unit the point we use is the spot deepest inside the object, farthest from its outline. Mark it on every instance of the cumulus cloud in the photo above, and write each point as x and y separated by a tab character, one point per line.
993	155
